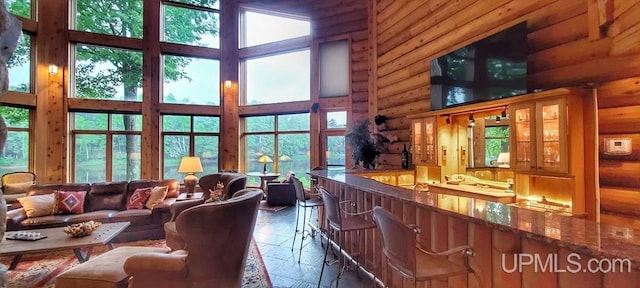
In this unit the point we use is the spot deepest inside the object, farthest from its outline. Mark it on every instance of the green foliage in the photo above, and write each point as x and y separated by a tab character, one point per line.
364	149
497	141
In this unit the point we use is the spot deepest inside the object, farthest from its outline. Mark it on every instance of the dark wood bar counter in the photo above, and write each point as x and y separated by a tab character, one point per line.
564	251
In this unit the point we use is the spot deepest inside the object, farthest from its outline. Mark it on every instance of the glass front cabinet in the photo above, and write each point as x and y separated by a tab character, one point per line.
424	141
539	139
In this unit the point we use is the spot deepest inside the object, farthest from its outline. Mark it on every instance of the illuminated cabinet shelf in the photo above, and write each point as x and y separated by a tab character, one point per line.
540	137
424	141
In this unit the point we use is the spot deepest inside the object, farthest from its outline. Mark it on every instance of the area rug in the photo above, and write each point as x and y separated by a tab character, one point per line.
264	206
40	270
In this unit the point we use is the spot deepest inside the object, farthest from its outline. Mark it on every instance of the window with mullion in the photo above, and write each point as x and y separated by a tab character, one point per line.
121	18
19	7
283	138
15	156
186	135
192	22
106	147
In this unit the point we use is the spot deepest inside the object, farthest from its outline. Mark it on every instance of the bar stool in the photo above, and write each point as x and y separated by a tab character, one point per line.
410	261
338	221
302	201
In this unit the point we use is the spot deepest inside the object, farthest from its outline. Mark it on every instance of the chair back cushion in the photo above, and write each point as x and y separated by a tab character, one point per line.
299	189
398	241
217	236
233	182
332	208
107	196
17	182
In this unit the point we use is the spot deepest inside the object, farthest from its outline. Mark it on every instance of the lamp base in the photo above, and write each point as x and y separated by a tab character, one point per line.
190	183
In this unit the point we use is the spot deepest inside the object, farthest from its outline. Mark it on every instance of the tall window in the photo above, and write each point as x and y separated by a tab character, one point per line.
334	68
334	128
108	73
19	7
189	136
278	78
15	156
106	147
198	84
20	65
274	73
284	138
262	28
192	22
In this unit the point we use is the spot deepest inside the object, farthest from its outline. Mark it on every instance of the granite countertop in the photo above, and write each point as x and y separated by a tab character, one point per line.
576	234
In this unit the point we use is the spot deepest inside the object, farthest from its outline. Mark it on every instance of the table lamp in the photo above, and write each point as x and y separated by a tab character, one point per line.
190	165
264	159
503	160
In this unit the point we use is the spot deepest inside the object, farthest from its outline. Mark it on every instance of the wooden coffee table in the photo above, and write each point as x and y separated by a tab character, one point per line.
58	240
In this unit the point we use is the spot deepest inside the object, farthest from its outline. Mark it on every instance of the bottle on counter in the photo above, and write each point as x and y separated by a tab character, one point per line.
405	157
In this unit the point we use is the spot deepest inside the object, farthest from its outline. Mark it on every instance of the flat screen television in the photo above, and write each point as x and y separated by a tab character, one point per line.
492	68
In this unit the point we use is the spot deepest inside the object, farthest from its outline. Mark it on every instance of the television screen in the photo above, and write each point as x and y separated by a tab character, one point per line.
492	68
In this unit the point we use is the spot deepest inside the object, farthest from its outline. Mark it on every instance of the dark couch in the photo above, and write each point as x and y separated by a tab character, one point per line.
106	203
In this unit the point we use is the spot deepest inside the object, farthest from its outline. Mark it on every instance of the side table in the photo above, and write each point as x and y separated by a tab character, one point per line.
183	196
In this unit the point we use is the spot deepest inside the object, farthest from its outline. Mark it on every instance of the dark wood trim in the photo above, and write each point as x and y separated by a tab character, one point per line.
284	46
189	51
106	40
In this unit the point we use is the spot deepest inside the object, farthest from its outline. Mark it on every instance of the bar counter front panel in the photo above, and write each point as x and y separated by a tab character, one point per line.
500	234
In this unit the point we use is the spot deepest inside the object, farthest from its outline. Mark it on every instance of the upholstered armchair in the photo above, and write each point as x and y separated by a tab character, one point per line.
217	237
233	182
15	185
281	193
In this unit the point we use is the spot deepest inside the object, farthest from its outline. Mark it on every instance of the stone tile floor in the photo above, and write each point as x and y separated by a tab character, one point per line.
274	235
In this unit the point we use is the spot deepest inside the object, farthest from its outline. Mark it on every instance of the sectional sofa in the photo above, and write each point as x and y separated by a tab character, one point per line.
104	202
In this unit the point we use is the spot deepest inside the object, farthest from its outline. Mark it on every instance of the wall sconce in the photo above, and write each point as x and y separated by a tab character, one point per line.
472	122
448	119
53	69
504	113
227	84
498	119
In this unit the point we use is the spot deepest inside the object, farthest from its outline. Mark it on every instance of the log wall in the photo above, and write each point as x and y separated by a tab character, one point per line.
571	42
619	117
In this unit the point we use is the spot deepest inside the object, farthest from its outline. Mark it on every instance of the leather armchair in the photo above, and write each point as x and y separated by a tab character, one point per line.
174	241
233	182
217	237
281	193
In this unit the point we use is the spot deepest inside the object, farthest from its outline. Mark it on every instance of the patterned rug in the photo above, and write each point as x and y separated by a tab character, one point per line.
40	270
264	206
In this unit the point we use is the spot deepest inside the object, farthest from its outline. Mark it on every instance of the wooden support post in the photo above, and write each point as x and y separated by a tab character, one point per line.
229	127
151	80
51	115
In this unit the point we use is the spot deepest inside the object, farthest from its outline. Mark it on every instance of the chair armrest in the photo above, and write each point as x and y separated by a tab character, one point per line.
179	206
468	250
162	265
16	215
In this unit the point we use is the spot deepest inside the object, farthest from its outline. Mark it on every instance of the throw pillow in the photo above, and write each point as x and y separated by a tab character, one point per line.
157	195
17	188
139	198
69	202
38	205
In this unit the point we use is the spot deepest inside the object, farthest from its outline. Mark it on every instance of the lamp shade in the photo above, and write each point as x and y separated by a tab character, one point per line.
285	157
264	159
503	159
190	165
